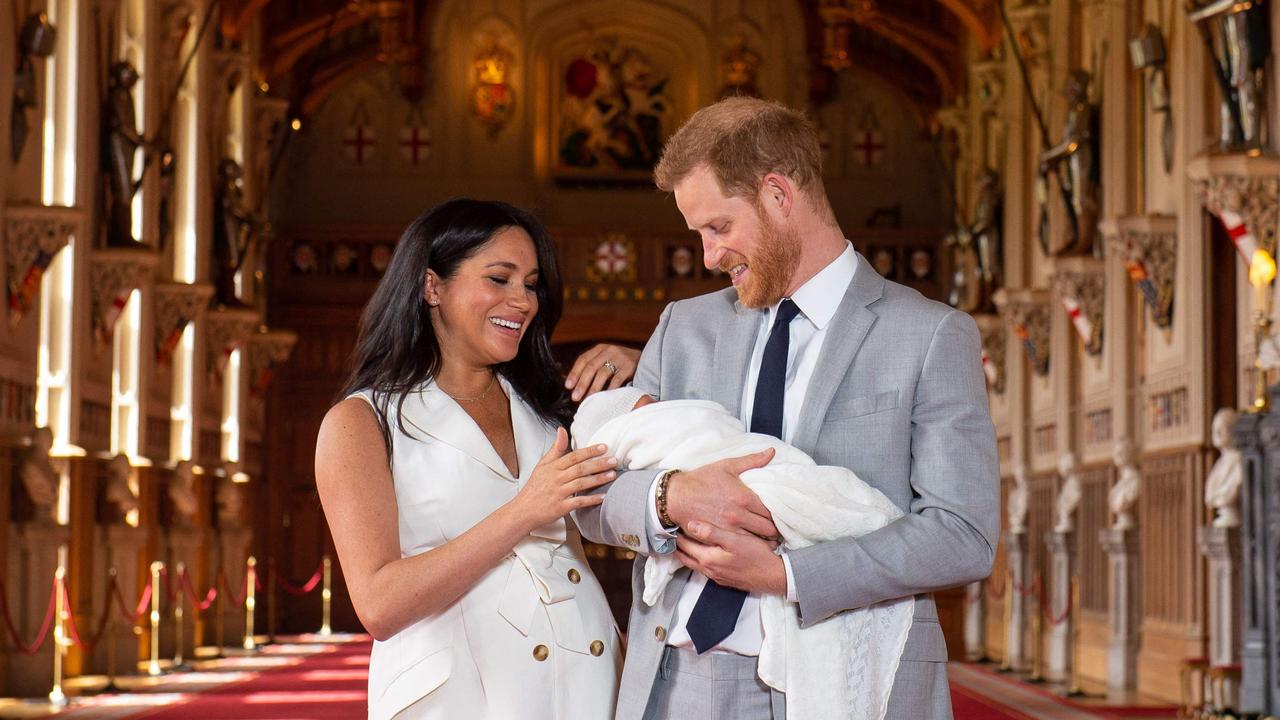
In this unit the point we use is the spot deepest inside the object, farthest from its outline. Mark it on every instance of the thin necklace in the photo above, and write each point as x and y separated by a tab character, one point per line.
477	398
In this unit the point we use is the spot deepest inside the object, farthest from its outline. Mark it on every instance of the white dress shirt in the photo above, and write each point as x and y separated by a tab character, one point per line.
817	300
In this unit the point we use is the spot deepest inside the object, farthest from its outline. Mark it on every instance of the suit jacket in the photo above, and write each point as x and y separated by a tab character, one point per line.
898	397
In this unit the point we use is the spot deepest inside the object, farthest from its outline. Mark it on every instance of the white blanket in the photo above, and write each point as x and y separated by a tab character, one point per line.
841	668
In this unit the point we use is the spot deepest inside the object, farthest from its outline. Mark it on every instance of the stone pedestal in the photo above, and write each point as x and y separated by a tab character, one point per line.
1258	437
1121	547
1062	551
975	620
1221	547
33	560
1015	545
119	546
233	550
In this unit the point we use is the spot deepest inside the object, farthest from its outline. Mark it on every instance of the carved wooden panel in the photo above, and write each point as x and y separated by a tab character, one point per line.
1041	491
1093	516
1169	513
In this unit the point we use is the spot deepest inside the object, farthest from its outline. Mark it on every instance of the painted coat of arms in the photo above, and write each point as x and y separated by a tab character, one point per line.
613	113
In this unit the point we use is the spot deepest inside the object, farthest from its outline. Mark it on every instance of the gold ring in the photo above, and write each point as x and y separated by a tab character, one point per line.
608	365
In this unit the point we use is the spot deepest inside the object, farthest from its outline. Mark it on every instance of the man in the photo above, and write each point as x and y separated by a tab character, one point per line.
812	346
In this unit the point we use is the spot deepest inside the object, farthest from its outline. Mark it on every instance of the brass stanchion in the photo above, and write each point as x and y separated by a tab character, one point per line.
178	617
111	633
1074	689
1010	587
326	597
56	696
153	667
250	579
273	598
1037	632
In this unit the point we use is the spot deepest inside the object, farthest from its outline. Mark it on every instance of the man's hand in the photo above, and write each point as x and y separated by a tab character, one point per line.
732	558
714	494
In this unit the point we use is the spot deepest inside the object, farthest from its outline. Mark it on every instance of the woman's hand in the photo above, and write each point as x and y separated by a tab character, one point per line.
600	367
553	488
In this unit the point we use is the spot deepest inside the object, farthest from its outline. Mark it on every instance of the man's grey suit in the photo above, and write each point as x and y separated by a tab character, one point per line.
898	396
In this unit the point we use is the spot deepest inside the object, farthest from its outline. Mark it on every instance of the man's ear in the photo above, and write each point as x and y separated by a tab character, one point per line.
778	193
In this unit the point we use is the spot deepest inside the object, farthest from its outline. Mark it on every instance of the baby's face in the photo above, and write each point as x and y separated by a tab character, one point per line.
644	400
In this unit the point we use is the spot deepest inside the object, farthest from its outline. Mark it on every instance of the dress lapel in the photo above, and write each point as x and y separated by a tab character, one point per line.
533	437
732	356
431	412
848	329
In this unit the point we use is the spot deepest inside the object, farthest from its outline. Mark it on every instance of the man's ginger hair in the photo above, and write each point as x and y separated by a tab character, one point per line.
742	139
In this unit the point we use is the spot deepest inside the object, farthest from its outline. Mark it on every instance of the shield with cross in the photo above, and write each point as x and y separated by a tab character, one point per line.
415	138
868	142
359	140
613	259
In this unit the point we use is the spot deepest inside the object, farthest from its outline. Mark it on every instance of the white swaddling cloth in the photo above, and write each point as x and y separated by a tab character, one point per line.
841	668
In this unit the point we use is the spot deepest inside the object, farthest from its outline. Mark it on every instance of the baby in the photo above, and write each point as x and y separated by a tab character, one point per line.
839	668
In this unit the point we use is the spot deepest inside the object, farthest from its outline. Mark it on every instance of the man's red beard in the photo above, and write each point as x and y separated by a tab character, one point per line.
771	266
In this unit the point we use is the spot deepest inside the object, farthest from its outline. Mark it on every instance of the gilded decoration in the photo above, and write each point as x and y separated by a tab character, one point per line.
114	274
177	304
994	341
265	349
227	329
1027	312
739	67
1081	290
614	260
1148	247
34	235
492	96
613	112
1242	192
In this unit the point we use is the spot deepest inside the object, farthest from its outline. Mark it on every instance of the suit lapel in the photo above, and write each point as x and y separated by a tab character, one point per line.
848	329
431	412
734	341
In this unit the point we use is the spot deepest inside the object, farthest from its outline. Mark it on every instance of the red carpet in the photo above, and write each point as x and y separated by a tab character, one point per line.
318	686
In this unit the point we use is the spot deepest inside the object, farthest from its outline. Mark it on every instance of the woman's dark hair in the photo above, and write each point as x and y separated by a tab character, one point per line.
397	349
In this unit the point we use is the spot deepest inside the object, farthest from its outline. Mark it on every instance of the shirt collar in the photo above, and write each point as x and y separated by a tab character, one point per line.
819	298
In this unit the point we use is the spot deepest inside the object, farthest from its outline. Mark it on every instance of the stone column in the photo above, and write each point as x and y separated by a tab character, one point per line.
33	559
1015	636
1221	546
975	619
1121	546
1061	569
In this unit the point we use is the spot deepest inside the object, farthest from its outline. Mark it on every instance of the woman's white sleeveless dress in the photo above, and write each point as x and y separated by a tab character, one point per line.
533	639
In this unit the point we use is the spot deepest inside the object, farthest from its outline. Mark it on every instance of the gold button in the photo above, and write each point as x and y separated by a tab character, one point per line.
597	648
575	577
540	653
660	633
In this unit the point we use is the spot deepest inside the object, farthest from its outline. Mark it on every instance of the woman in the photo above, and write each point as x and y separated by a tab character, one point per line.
445	477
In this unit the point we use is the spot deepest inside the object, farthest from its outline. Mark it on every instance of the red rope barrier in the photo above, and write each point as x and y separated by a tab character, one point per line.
1054	621
199	605
132	616
74	632
226	587
306	587
34	647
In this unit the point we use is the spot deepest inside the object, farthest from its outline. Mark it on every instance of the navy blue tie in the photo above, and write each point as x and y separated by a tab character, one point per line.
715	615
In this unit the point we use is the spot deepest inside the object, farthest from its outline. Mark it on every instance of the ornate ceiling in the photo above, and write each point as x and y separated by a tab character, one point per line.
312	46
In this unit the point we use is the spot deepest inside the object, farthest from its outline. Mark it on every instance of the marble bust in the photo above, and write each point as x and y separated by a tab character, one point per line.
39	478
119	491
182	493
230	498
1222	487
1018	501
1068	499
1124	493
